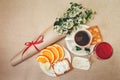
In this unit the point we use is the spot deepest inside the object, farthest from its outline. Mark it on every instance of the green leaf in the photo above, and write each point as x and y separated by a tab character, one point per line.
61	21
77	48
87	49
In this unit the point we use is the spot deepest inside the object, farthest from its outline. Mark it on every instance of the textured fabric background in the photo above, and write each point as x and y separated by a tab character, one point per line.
24	20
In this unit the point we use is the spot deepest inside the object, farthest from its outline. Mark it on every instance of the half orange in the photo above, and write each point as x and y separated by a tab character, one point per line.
55	52
60	50
42	59
48	54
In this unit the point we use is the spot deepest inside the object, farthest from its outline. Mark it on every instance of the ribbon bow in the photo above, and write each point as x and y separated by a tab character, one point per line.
33	43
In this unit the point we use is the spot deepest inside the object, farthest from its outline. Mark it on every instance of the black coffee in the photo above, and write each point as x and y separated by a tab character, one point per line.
82	38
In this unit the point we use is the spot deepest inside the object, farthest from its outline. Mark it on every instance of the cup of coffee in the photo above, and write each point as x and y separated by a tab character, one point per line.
83	38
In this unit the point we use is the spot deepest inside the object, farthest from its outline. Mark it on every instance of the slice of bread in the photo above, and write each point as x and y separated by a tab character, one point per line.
97	38
62	67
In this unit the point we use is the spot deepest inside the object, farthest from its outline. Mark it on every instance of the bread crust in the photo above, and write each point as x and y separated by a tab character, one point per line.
97	37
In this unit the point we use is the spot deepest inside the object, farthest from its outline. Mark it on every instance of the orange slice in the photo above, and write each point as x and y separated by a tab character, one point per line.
42	59
55	52
60	50
48	54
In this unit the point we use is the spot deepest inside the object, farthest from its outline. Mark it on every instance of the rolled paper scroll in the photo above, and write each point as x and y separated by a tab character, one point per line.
47	38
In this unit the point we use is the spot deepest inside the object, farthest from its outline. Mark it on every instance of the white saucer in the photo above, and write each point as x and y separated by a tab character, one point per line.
71	43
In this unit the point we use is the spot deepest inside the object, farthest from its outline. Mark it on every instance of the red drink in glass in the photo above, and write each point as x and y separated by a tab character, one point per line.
104	50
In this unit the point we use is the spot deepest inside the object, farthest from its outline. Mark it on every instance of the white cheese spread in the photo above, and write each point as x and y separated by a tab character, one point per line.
61	67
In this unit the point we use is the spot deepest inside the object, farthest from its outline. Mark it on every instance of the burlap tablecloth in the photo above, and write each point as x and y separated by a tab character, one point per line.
24	20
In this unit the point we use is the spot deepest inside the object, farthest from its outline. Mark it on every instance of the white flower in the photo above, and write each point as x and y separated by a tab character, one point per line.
84	20
68	24
73	13
57	27
65	31
79	19
65	25
77	9
61	31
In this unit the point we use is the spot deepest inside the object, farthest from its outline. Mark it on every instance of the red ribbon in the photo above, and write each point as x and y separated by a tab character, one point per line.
33	43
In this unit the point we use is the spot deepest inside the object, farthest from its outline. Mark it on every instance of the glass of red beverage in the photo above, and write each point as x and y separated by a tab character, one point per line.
103	50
